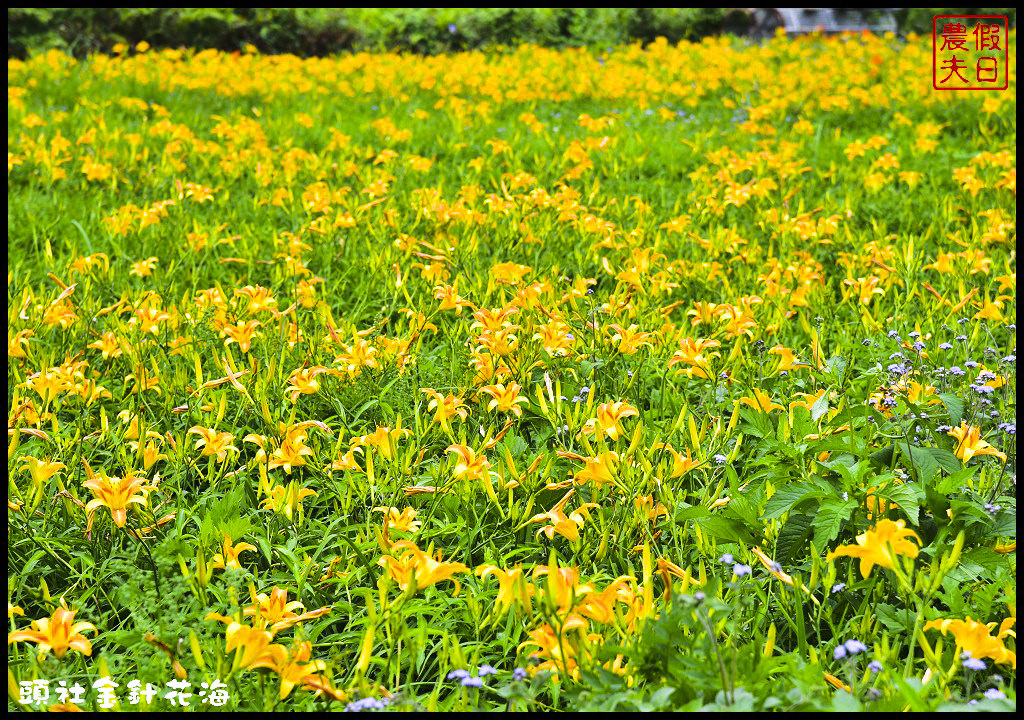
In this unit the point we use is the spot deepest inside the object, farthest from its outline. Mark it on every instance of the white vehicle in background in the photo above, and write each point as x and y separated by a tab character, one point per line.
764	22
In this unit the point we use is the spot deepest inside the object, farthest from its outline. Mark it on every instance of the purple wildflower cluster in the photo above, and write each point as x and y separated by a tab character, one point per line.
467	680
738	569
367	703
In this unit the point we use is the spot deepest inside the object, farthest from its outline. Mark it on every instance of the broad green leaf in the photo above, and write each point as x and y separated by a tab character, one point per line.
829	519
906	495
743	510
726	529
946	459
897	620
794	537
925	463
787	497
819	408
954	406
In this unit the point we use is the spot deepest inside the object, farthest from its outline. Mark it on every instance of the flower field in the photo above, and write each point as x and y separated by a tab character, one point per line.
643	378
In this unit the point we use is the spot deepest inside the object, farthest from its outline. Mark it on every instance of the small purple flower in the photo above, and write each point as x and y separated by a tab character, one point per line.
472	682
897	356
919	346
838	587
875	666
995	694
974	663
1008	428
971	363
983	389
720	459
726	558
461	674
961	338
943	428
485	670
452	28
992	509
519	673
957	370
893	334
839	653
855	646
366	703
946	346
739	569
913	334
1009	359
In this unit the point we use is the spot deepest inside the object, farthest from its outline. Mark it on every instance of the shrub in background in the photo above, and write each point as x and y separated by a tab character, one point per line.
322	31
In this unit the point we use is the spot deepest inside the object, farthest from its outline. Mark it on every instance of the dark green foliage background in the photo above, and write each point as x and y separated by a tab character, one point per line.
323	31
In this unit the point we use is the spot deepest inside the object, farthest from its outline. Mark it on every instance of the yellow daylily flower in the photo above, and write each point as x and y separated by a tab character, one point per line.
609	417
228	558
512	588
977	639
418	568
880	545
58	633
969	443
114	493
291	667
761	401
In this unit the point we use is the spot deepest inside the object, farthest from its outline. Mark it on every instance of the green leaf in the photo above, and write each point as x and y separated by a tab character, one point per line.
683	514
726	529
744	511
829	519
788	497
981	562
924	462
1004	525
820	407
906	495
794	537
946	459
954	406
758	424
883	457
837	365
899	621
911	691
845	443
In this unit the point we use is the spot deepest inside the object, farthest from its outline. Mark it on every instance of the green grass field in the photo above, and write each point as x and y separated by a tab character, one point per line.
677	377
